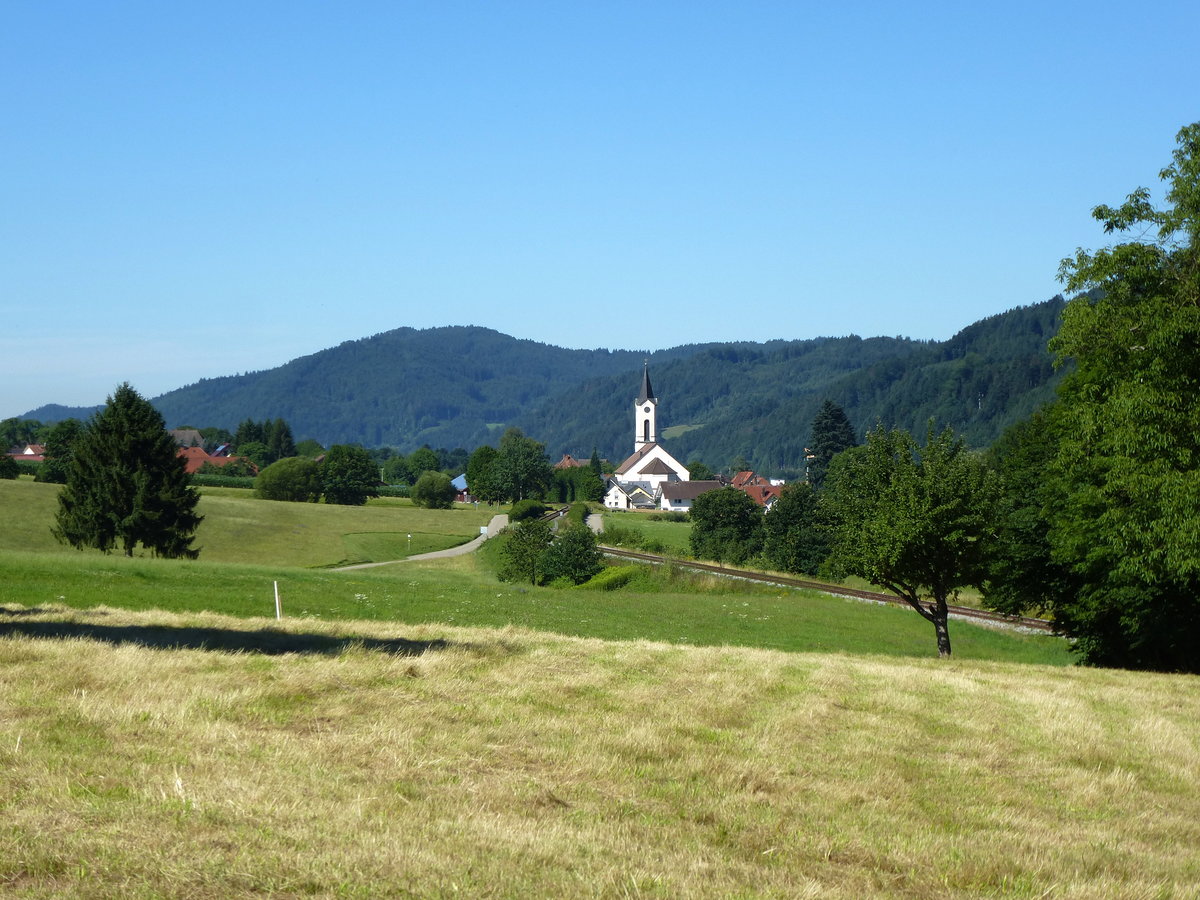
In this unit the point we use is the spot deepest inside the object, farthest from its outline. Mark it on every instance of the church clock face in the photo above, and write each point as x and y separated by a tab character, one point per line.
646	410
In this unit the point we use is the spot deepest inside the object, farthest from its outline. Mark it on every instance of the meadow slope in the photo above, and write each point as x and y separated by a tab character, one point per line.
357	759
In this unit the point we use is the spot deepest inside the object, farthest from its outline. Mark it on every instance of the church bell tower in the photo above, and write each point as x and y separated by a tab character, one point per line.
645	411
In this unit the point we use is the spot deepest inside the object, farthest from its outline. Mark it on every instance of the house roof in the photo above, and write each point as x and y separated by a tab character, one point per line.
762	494
743	479
196	457
688	490
569	462
187	437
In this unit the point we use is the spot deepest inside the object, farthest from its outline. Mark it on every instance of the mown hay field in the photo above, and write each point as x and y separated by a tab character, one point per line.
151	754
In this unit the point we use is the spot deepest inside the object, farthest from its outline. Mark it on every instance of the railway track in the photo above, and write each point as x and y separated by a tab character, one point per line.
962	612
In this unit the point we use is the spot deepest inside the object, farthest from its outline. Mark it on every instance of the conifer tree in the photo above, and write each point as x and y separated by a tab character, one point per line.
831	434
126	484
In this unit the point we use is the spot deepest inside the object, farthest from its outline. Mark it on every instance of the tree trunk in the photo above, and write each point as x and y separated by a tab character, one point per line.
940	619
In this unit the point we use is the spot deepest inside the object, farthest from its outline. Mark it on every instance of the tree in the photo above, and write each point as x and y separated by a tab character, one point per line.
257	452
914	520
280	443
577	483
59	446
698	471
433	490
481	474
521	470
1023	575
349	476
1126	476
310	448
396	470
726	526
795	536
296	479
831	434
423	460
9	470
126	484
573	555
596	466
524	544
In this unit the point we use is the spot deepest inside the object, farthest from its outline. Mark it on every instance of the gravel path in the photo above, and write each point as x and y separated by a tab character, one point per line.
493	529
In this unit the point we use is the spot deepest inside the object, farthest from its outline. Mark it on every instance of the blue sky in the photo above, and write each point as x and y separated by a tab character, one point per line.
196	190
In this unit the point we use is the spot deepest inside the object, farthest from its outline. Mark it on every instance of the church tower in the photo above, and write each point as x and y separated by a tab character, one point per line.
645	412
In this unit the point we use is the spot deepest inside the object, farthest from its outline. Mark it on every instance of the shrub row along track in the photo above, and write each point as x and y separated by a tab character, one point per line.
962	612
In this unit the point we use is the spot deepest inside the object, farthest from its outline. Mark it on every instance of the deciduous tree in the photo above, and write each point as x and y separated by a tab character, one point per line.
726	526
60	443
1127	470
522	469
524	544
795	535
433	490
914	520
349	476
126	484
572	555
296	479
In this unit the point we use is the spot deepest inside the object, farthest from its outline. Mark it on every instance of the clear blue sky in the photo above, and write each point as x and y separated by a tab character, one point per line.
195	190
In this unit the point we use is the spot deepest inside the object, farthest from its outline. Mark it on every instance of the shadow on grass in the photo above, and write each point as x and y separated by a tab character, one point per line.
227	640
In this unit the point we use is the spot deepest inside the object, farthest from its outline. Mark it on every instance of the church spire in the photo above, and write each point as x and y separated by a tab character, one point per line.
644	413
647	391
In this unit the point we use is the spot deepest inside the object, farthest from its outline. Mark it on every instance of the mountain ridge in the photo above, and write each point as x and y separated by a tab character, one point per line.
462	385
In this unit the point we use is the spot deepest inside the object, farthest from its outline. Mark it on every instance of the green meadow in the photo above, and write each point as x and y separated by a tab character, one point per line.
293	545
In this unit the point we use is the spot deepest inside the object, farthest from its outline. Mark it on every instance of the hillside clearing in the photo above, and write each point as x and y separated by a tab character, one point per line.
358	759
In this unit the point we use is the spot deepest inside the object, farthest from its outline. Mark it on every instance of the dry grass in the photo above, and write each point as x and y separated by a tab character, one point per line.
363	759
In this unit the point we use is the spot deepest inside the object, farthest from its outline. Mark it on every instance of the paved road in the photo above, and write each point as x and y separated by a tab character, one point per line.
493	529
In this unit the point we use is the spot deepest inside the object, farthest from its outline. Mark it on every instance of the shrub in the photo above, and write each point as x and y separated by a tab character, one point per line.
526	509
296	479
200	479
433	490
572	555
8	468
612	578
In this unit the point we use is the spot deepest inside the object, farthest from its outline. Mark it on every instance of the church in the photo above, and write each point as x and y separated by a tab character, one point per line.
651	476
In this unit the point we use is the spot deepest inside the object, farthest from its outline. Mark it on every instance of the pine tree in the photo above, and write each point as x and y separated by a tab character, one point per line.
831	434
126	484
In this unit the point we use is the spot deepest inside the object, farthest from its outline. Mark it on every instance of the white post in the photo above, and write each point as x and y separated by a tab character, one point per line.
278	608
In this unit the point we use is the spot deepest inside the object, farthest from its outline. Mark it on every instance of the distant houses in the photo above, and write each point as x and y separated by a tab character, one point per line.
191	450
28	453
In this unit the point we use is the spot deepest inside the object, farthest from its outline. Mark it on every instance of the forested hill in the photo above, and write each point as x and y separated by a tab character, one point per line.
461	386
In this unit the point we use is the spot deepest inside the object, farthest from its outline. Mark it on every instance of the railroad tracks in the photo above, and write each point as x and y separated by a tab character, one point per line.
961	612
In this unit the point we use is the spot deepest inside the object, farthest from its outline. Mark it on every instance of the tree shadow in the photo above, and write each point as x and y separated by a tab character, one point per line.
266	641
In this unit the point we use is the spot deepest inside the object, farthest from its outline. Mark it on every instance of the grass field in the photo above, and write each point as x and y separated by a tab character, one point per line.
290	538
673	536
239	528
420	729
358	759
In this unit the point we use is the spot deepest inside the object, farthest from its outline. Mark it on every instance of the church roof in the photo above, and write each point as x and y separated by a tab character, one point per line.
657	467
637	457
647	392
